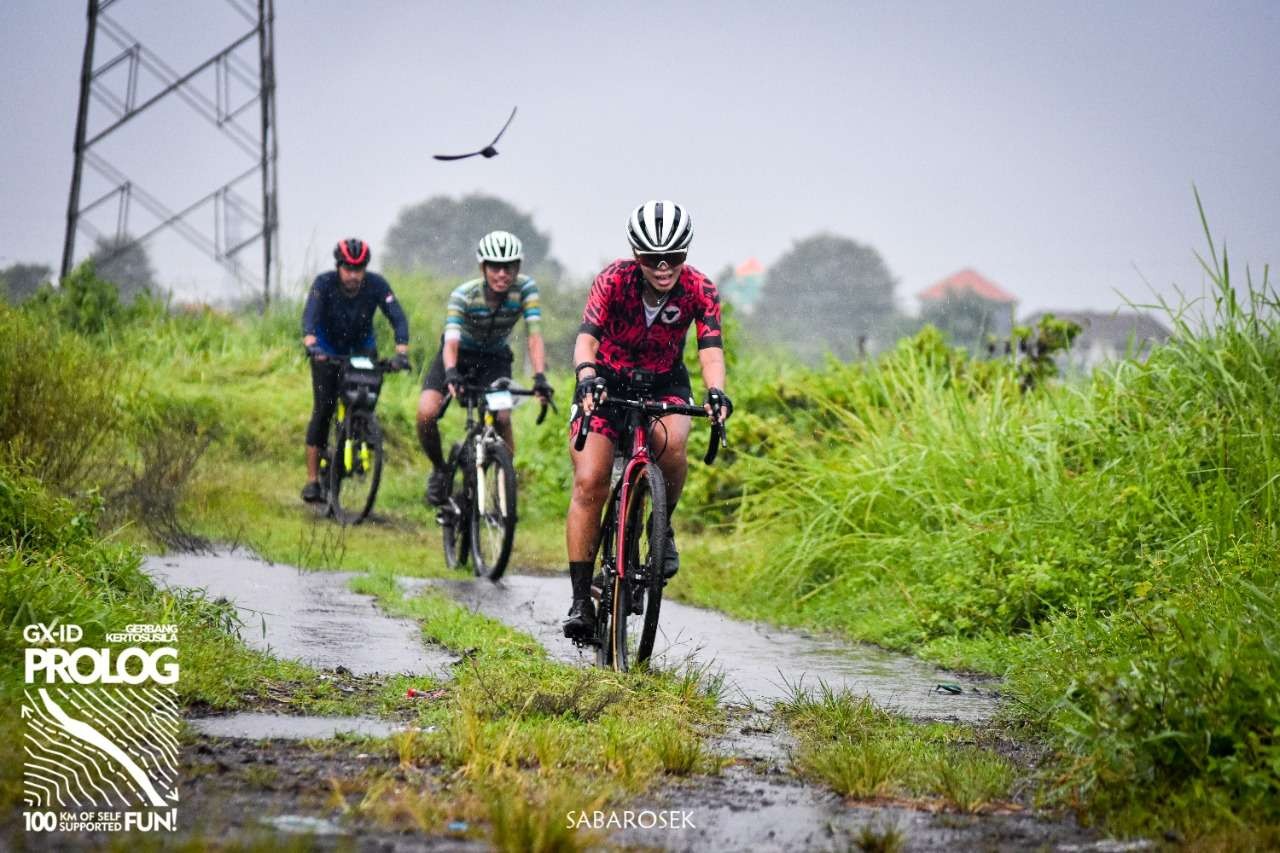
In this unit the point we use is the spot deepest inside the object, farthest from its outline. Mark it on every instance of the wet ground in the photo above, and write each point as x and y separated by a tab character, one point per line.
312	617
258	726
251	786
756	804
760	664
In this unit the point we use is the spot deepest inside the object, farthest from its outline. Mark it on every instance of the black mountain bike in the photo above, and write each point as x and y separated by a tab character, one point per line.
633	536
478	517
351	470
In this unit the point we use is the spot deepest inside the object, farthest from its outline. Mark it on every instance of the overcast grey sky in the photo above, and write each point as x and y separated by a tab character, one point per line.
1050	145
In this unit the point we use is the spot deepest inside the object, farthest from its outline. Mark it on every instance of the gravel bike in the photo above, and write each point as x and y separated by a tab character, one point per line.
633	535
351	470
478	516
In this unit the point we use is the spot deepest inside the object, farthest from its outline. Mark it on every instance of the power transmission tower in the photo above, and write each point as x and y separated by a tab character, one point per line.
215	89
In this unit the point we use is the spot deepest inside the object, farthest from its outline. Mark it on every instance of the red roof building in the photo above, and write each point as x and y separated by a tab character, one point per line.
966	281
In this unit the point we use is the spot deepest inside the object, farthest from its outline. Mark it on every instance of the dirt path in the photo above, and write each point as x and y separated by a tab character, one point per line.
754	804
758	662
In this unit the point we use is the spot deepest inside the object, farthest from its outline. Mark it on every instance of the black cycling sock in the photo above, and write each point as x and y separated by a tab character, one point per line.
580	577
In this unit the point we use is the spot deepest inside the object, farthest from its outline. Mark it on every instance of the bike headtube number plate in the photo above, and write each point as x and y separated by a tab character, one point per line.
360	362
499	401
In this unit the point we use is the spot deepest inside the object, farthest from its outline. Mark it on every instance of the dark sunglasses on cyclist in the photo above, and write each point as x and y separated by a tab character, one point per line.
503	266
654	260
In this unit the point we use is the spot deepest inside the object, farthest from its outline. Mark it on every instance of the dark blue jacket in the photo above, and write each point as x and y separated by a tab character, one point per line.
344	325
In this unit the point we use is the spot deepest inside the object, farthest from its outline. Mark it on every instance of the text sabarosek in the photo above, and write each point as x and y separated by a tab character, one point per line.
645	819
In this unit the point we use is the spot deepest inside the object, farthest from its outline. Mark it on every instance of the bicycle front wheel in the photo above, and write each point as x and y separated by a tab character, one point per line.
454	527
493	512
637	591
355	469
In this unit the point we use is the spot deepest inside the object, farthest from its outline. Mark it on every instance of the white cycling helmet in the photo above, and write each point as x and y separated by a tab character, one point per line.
500	247
660	226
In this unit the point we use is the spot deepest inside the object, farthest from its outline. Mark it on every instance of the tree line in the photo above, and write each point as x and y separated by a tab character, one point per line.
827	294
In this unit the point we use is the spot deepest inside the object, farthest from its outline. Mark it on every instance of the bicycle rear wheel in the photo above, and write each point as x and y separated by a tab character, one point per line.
355	469
637	591
453	515
493	511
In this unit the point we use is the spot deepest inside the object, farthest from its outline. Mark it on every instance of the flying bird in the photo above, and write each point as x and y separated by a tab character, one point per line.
486	152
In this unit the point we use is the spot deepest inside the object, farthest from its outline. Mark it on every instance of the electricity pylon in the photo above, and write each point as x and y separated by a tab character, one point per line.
214	90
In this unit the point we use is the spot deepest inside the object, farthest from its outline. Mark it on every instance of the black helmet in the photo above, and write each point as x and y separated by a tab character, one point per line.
352	252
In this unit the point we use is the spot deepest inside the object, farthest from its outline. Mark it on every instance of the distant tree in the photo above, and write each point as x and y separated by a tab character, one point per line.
18	282
966	318
441	233
125	264
826	294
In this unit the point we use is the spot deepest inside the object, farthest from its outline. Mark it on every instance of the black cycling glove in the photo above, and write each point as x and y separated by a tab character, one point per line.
717	399
400	361
592	385
542	386
452	376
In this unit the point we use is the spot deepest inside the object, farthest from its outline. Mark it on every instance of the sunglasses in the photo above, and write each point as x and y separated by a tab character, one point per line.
654	260
507	266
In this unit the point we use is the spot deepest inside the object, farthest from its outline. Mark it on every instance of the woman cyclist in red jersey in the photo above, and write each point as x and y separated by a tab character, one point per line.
632	339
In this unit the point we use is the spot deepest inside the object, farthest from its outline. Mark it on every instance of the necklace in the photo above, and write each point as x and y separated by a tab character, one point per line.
659	302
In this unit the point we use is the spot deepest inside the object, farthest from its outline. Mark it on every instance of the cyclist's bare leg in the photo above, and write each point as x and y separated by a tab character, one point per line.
668	444
313	464
591	468
430	402
502	421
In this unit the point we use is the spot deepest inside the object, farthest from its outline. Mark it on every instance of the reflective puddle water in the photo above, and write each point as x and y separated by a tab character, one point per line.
311	617
759	663
255	726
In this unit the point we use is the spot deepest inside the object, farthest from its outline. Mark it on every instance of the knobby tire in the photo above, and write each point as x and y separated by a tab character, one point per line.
455	530
353	508
493	526
644	520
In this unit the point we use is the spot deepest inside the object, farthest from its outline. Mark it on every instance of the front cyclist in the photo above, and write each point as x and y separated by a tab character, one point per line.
632	340
480	317
338	320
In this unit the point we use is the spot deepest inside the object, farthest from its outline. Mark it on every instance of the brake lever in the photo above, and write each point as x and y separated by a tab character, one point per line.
717	441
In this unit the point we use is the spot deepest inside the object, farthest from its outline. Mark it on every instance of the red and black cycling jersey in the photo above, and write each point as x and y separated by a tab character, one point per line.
615	316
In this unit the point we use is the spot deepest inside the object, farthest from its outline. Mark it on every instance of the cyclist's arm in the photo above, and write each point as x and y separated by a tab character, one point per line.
449	353
531	305
538	352
712	361
584	350
311	315
399	322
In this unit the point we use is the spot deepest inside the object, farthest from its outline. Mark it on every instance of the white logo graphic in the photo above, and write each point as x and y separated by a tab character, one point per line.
101	758
670	314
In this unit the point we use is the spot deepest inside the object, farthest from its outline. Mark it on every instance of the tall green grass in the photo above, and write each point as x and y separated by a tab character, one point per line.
1109	544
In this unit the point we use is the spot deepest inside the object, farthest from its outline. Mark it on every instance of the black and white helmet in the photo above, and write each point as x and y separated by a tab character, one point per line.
660	226
499	247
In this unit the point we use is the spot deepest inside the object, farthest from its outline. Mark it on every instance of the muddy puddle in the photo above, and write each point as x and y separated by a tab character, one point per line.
256	726
311	617
760	664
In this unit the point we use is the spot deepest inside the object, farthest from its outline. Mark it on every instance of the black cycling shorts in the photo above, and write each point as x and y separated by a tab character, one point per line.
477	368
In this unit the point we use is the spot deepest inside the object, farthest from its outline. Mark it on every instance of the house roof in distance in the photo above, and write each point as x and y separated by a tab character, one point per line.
965	281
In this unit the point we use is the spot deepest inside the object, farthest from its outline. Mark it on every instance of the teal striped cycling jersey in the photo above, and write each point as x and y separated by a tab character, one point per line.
471	321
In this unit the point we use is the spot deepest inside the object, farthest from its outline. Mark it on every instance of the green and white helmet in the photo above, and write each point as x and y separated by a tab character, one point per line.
499	247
